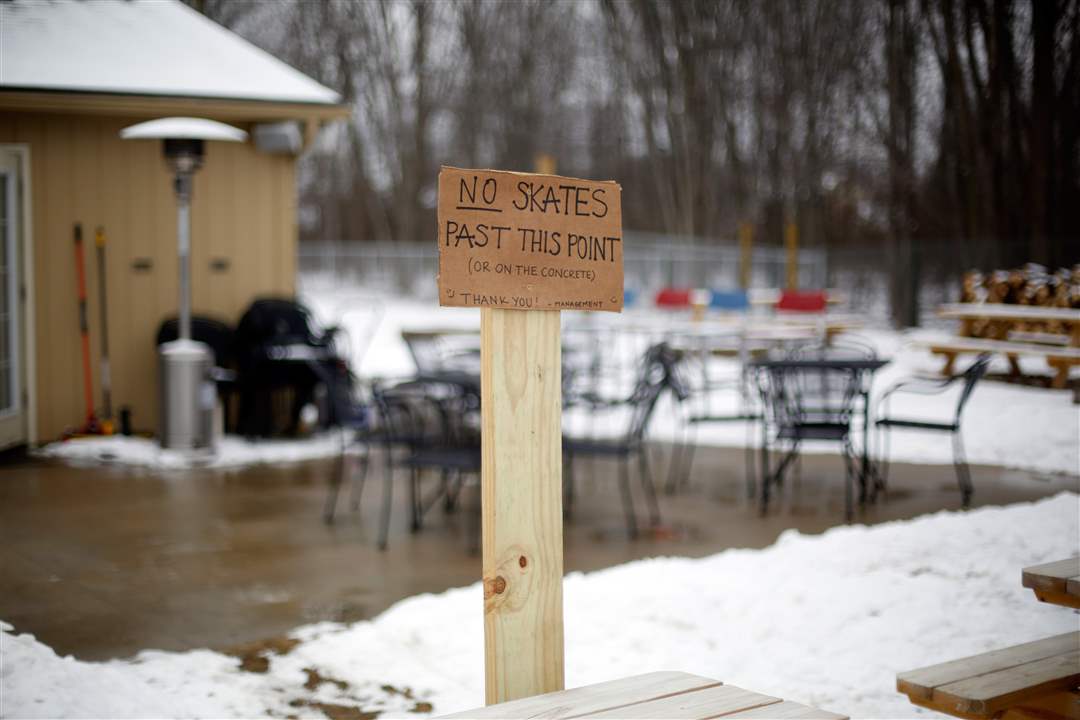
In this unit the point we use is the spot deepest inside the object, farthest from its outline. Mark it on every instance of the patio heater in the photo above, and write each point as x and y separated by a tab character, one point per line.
188	394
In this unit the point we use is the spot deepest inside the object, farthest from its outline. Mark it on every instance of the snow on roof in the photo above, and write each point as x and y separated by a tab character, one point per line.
140	47
183	128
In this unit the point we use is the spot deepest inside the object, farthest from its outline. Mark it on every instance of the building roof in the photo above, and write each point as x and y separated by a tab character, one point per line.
156	48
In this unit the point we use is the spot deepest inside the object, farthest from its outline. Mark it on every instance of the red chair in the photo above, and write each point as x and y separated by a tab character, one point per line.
673	298
802	301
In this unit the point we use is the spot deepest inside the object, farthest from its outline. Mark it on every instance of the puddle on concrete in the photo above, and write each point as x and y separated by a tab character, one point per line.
212	558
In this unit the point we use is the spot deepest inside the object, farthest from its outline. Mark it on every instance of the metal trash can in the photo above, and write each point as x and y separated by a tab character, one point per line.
188	396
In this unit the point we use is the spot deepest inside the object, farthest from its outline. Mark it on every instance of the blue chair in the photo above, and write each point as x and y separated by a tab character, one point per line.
630	297
729	300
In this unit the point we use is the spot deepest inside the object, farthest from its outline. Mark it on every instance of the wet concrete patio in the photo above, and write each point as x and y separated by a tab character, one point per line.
104	561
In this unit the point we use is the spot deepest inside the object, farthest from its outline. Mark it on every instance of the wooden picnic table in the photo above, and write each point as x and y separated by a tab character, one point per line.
1060	350
1055	582
654	695
1035	679
1039	679
1006	312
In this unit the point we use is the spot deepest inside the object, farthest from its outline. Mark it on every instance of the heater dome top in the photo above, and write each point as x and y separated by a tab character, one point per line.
183	128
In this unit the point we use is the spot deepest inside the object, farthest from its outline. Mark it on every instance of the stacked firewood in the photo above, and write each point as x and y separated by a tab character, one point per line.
1031	284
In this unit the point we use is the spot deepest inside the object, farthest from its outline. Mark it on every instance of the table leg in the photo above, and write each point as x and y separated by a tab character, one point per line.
864	471
765	472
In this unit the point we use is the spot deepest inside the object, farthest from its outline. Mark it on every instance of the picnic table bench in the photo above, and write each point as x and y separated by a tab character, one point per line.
1039	679
1034	679
1059	358
1056	582
653	695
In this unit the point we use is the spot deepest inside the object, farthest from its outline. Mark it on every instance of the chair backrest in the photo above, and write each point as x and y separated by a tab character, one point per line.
658	372
423	413
848	347
971	376
802	301
793	395
828	394
732	300
396	421
406	416
673	298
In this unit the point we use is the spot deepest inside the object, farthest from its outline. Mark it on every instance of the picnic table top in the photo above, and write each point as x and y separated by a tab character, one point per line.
1006	311
864	364
653	695
1055	582
982	686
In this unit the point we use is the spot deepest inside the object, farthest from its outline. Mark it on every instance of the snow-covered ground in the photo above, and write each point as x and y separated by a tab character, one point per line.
826	620
1009	425
231	452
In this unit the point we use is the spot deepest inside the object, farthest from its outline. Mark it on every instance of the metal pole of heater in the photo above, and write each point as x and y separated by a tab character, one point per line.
183	242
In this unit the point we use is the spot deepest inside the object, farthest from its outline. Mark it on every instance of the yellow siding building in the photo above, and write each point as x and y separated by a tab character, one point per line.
62	162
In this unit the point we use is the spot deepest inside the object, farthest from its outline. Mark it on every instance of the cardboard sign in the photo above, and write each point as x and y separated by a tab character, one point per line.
524	241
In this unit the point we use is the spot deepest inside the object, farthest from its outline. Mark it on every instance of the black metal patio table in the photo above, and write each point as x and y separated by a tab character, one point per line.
859	370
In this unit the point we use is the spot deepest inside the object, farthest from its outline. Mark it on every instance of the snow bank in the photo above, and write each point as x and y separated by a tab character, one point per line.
827	620
231	452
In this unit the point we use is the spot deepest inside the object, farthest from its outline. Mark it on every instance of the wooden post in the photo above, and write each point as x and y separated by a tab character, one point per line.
514	271
521	478
746	253
791	244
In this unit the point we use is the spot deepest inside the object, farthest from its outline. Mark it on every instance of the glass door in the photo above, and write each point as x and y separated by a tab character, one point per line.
12	412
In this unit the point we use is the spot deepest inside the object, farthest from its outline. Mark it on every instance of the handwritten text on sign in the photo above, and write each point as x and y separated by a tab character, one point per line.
529	242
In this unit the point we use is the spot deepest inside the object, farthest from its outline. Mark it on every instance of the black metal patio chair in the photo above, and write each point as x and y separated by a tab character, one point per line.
657	374
885	421
809	396
353	418
427	424
713	401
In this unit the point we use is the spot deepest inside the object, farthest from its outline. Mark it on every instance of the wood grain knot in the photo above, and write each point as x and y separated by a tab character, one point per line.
508	584
493	587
